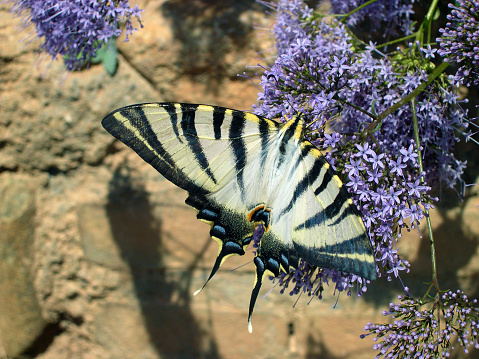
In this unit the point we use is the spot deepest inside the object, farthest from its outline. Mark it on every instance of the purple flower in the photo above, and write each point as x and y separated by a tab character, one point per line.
380	197
416	331
76	29
459	42
376	160
409	154
415	189
428	52
330	140
397	166
354	168
415	213
364	151
374	175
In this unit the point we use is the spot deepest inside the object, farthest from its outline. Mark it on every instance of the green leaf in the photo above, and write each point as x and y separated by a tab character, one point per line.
108	55
110	59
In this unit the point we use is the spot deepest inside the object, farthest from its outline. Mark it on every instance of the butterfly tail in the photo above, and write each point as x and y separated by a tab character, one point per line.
228	249
260	274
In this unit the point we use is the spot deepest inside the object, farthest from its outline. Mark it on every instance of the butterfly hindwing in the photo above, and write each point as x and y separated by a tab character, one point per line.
343	243
241	170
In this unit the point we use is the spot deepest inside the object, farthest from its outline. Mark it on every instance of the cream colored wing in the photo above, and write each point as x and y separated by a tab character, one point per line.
241	170
312	217
216	154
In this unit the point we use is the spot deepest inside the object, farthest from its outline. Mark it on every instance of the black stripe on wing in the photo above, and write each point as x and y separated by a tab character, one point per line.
287	136
328	176
350	210
325	214
238	147
218	118
303	185
264	134
171	109
354	255
306	147
159	158
189	132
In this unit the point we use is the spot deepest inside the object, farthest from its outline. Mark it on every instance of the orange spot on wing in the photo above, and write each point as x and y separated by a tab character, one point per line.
256	209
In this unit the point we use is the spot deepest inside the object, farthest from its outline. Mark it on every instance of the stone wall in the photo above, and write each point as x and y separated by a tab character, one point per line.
99	255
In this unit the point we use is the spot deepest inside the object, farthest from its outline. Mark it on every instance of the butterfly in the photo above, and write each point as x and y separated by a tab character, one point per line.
241	171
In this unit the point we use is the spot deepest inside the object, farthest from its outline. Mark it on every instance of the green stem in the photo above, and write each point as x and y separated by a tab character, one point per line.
377	120
396	41
431	10
427	22
435	282
423	299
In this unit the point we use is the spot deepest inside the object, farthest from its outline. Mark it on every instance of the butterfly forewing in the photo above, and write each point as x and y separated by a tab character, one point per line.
191	145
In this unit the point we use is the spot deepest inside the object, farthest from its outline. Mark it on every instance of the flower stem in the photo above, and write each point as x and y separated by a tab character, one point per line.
377	120
396	41
428	20
426	211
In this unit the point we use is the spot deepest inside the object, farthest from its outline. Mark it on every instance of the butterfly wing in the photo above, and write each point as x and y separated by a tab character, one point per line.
212	152
312	215
327	228
240	170
197	147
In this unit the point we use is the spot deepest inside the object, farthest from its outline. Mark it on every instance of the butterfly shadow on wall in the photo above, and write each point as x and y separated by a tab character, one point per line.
164	301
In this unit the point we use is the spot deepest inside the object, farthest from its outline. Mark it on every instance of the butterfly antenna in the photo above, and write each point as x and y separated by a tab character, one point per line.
232	270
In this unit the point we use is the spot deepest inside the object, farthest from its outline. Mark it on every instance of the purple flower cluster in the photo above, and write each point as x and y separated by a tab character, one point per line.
319	72
387	188
459	42
312	281
77	29
340	84
418	333
388	16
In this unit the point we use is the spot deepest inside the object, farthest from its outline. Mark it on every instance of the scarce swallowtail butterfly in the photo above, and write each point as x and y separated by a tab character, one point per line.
241	170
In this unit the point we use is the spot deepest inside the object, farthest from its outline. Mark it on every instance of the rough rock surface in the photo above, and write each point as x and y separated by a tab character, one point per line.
100	255
21	319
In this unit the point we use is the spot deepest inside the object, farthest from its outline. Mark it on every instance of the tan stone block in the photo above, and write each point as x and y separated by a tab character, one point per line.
120	329
21	319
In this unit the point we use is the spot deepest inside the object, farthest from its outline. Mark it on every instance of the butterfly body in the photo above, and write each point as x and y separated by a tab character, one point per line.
242	170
